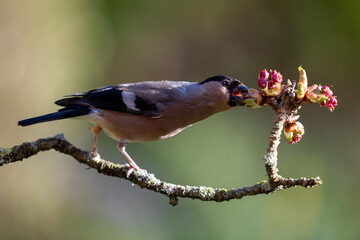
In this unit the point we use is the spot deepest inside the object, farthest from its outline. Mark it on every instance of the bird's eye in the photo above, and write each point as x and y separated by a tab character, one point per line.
225	83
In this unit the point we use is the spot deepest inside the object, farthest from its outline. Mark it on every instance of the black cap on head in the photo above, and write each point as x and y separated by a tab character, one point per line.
217	78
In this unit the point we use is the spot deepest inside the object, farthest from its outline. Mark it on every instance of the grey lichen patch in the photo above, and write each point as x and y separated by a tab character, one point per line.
152	183
5	151
318	180
186	190
5	155
313	182
271	159
206	193
152	180
97	159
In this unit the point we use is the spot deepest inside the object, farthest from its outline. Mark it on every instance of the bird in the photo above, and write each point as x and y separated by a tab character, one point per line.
147	111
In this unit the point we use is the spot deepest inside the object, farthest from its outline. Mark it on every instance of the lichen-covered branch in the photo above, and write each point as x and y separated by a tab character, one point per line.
140	178
274	141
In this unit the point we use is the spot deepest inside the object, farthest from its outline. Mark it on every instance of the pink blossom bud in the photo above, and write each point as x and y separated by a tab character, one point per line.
262	83
271	84
264	74
331	103
327	91
276	76
294	132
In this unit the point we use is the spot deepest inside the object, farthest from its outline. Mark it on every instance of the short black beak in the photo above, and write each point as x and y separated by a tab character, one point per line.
242	88
239	94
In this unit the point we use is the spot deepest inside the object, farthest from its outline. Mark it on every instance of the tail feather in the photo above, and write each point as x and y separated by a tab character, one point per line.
68	112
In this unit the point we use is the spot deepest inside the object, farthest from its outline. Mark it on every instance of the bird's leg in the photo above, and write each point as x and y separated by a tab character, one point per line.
95	130
133	166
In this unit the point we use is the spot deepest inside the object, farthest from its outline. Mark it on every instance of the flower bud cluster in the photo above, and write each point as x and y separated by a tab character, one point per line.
270	83
322	95
271	86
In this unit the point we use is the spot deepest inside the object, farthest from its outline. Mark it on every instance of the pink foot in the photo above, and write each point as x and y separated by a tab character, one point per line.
136	168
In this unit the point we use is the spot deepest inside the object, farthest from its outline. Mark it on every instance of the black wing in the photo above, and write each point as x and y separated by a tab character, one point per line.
117	99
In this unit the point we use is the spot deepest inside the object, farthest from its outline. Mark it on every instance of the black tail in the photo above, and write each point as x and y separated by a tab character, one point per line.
68	112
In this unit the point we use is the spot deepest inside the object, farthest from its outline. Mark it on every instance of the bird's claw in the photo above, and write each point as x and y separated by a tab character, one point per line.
94	156
132	168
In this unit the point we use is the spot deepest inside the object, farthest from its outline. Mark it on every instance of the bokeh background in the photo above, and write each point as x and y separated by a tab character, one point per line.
52	48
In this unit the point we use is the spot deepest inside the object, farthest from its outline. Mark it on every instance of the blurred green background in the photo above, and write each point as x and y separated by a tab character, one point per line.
52	48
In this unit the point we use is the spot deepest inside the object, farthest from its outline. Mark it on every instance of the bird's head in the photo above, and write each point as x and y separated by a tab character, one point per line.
232	87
